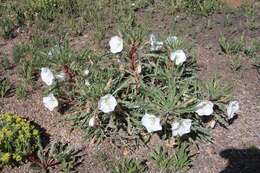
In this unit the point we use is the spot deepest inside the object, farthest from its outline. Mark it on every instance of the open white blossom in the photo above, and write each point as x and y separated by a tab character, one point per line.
47	76
61	76
178	57
181	127
155	45
205	108
116	44
107	103
232	108
151	123
91	122
50	102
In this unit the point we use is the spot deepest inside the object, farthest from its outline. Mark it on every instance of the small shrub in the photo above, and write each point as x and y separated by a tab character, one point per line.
5	87
178	161
55	155
7	27
235	64
20	92
19	52
18	139
129	166
231	46
5	63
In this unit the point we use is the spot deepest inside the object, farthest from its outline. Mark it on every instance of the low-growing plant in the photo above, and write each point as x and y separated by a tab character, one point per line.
178	161
20	92
18	139
219	93
232	46
5	87
20	52
55	156
249	11
129	166
235	64
7	27
200	7
144	83
5	63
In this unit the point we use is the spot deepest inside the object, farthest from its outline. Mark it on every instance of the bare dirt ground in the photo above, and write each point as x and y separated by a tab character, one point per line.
240	135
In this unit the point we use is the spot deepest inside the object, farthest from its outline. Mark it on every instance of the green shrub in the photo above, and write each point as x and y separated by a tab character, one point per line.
19	52
5	63
5	87
20	92
166	162
7	27
37	5
55	155
129	166
18	138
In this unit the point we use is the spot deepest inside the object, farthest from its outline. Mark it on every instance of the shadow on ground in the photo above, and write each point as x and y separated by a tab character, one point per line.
242	160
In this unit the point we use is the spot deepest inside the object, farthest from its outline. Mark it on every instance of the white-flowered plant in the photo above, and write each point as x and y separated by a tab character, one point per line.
50	102
178	57
232	108
143	79
151	123
107	103
116	44
181	127
47	76
205	108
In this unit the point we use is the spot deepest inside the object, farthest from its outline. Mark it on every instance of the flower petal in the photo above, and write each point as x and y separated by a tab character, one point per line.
205	108
107	103
50	102
181	127
232	108
178	57
116	44
151	123
47	76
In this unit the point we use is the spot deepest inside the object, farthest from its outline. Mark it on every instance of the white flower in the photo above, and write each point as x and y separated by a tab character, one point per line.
107	103
91	122
47	76
86	72
116	44
151	123
50	102
155	45
61	76
205	108
181	127
232	108
178	57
